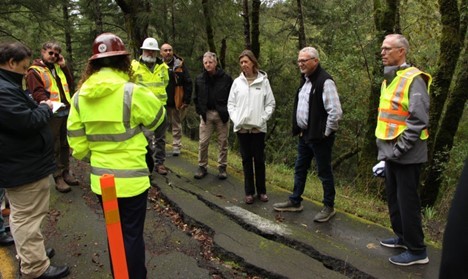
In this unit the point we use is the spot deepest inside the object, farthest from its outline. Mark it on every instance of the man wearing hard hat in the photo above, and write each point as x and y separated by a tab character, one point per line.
152	72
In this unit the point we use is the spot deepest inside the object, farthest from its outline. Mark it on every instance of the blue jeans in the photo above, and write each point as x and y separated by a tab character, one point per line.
322	152
2	222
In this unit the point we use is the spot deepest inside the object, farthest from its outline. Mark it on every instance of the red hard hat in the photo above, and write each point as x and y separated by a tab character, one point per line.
107	45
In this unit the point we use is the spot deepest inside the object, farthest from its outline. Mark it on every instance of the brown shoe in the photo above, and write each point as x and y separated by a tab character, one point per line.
249	199
161	169
263	197
61	185
70	179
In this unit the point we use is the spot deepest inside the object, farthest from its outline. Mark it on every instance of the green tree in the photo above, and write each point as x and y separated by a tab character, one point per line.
444	131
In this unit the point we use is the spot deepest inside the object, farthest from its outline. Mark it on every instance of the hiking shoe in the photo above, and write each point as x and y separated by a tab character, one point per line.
200	173
222	172
288	206
161	169
69	178
325	214
407	258
393	242
61	185
175	151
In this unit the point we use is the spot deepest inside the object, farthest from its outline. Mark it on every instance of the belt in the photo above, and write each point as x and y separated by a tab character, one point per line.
249	131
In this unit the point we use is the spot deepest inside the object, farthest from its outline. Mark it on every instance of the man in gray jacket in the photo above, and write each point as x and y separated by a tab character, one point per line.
402	143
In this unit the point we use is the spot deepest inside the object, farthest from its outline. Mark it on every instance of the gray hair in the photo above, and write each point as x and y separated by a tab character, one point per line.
52	45
400	40
311	51
210	55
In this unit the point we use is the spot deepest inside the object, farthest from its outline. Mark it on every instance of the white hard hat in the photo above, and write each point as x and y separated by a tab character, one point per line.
150	44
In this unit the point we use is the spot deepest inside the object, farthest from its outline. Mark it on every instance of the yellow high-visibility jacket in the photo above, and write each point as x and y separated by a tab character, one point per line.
394	102
105	124
156	81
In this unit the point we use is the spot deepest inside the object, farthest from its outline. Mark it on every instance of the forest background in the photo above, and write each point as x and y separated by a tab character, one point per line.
348	35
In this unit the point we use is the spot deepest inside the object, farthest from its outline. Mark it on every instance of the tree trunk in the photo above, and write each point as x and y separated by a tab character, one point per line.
136	13
447	60
302	43
256	27
246	17
222	53
445	137
173	29
68	41
208	25
99	29
385	19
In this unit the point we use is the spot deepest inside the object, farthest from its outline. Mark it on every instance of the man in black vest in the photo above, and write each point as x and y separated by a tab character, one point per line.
317	110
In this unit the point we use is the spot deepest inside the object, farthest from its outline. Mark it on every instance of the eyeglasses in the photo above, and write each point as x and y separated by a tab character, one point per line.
56	54
387	49
302	61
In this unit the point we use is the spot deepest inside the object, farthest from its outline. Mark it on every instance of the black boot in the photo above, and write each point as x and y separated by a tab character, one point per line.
55	272
6	239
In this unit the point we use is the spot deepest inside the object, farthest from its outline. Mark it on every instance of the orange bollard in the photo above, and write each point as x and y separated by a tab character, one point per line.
114	229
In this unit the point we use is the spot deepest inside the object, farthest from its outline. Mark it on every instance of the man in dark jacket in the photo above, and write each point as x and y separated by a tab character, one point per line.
317	109
179	83
27	162
211	96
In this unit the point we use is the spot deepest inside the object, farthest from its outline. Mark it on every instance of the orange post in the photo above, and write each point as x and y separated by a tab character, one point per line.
114	230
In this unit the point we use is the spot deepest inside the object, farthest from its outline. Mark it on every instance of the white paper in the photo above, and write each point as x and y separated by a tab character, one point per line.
56	106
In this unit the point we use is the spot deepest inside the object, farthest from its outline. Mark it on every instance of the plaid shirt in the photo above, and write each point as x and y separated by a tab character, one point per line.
331	102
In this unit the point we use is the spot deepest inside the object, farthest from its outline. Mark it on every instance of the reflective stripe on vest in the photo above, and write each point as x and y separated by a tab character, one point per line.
120	173
394	102
50	83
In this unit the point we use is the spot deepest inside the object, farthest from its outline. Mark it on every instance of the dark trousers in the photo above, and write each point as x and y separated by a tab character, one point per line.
252	149
58	125
322	152
159	154
132	218
401	184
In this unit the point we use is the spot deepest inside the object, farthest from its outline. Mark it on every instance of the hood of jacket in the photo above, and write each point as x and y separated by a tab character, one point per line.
103	83
261	75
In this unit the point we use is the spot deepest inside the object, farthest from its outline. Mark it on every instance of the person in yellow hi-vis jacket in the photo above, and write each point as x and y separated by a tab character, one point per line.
105	125
152	72
401	134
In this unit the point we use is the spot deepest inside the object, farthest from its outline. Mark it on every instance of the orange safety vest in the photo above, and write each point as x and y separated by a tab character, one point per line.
50	84
394	102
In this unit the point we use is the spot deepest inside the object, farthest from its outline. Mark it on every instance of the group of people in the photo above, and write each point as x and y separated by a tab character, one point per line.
119	115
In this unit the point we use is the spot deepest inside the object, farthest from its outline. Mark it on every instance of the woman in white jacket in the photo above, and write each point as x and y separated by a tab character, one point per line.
251	103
